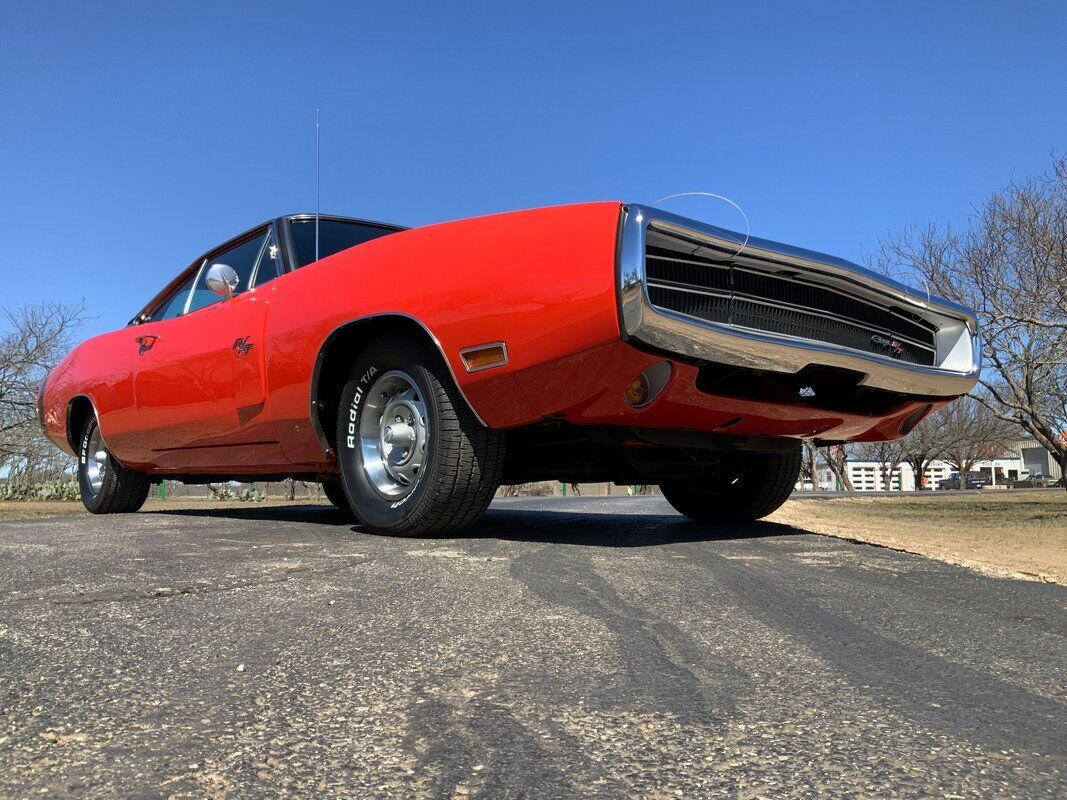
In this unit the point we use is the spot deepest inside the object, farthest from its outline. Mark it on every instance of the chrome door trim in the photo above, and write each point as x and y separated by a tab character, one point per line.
192	288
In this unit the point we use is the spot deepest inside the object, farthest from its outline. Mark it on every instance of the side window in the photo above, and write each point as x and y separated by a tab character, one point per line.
334	236
270	262
175	304
242	258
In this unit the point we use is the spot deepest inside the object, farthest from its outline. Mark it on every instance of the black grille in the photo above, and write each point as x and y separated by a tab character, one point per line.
786	302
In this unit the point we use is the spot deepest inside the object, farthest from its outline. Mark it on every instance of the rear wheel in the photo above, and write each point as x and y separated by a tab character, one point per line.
414	459
335	493
107	487
746	487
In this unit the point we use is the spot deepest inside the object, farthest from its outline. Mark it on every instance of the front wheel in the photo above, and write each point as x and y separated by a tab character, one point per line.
746	487
414	459
107	487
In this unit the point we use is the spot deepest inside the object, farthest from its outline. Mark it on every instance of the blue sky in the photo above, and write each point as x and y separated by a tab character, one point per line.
135	136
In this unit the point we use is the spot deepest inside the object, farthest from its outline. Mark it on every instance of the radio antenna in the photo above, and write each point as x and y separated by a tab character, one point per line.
316	184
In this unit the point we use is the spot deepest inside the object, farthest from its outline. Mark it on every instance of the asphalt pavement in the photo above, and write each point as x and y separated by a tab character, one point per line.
580	647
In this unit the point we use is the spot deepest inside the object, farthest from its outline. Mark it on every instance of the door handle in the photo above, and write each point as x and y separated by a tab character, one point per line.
146	342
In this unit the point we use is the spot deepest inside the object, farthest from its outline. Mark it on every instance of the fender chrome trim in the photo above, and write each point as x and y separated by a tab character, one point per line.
74	439
958	341
314	386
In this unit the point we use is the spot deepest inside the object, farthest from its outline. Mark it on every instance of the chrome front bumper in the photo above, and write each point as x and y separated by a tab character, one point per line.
958	359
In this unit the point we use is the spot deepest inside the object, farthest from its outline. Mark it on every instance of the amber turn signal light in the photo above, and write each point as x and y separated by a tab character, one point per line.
484	356
643	389
637	392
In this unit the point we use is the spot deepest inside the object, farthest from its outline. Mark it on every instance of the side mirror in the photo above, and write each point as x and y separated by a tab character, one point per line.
222	280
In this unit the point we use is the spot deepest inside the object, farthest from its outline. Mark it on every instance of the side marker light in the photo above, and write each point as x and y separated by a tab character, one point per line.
484	356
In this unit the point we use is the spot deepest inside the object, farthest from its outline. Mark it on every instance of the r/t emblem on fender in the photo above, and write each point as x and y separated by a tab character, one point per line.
242	346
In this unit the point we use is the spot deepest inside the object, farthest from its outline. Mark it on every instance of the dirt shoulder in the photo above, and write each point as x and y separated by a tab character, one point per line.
39	509
1021	533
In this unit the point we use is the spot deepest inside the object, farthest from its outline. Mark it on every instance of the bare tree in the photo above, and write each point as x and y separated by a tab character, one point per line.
887	455
37	338
972	433
924	444
808	470
836	458
1010	265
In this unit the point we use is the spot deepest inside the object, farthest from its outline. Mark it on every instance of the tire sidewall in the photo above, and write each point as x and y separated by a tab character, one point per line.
370	506
745	499
335	493
90	499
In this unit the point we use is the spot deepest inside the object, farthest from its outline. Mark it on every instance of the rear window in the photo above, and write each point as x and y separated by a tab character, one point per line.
334	236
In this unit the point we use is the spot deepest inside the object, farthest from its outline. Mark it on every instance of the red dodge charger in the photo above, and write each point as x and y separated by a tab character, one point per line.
413	371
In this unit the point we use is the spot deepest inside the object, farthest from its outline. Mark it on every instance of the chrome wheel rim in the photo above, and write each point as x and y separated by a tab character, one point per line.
394	434
96	461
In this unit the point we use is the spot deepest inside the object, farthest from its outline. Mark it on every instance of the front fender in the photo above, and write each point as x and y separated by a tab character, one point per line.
542	281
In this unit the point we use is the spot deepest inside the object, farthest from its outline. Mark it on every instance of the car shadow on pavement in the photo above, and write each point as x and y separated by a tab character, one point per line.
548	526
615	530
324	514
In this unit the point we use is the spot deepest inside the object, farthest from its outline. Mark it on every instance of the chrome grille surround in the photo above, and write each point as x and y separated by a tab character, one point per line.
779	308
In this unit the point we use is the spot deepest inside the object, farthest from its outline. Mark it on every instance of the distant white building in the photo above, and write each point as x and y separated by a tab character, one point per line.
867	476
1037	460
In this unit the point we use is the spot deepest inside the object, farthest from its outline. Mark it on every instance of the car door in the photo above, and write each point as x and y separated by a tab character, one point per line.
249	311
156	326
185	377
